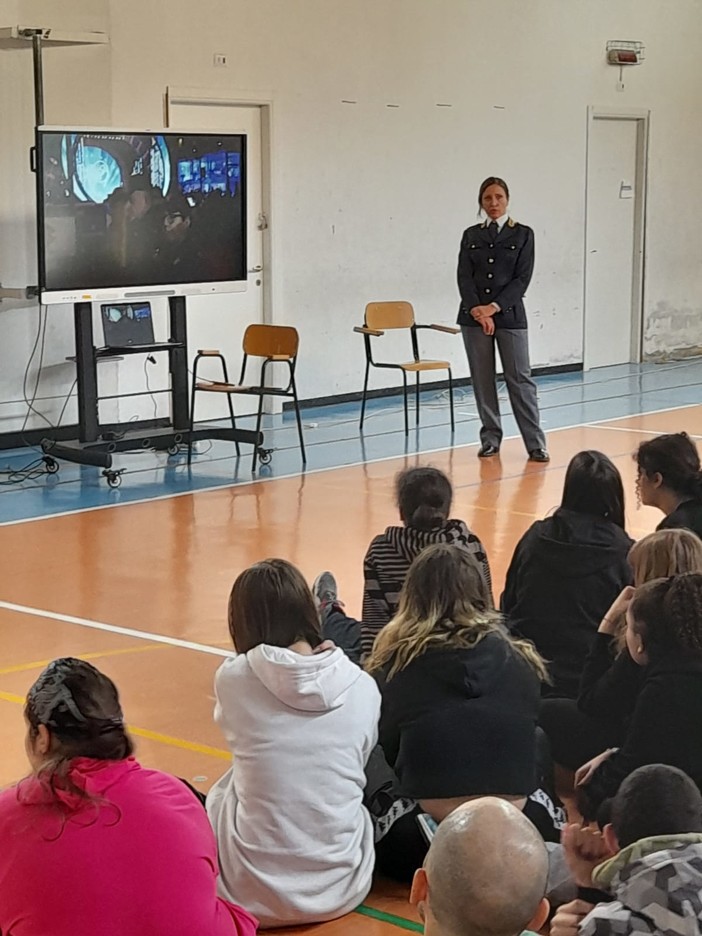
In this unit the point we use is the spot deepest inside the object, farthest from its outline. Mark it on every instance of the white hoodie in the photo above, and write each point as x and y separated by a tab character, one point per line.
295	841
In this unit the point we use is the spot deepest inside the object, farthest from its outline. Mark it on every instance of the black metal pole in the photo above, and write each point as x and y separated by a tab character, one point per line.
38	79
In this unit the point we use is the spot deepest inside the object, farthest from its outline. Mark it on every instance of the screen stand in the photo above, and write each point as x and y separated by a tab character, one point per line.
96	443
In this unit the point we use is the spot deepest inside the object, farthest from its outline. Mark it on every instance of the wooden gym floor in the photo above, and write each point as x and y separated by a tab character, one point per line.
141	589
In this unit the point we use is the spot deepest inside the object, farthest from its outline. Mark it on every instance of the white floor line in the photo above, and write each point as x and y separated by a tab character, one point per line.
651	432
115	629
298	474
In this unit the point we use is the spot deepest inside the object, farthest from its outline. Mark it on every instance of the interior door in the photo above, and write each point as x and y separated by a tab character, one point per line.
220	321
613	267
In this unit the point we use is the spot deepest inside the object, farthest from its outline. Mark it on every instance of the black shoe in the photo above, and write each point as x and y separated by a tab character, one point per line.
539	455
488	451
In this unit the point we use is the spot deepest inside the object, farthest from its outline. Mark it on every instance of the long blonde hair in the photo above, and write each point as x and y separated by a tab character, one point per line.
444	602
660	555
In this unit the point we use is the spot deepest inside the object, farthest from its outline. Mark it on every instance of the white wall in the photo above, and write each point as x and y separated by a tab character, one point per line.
369	201
77	90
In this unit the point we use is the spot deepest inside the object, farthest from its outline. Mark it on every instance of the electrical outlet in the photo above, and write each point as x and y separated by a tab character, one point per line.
220	60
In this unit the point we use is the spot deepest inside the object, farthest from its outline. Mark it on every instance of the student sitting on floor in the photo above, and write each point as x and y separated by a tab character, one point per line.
424	497
568	569
664	636
611	680
460	701
670	478
484	875
92	842
301	721
647	863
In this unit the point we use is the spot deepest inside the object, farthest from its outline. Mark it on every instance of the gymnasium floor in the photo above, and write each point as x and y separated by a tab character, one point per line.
137	579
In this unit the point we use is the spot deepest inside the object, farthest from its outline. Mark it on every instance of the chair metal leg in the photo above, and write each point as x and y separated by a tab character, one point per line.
259	418
416	398
231	405
299	422
192	414
404	388
453	420
365	391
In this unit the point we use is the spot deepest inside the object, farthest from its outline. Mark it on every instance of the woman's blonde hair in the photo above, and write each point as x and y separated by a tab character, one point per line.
444	603
665	553
660	555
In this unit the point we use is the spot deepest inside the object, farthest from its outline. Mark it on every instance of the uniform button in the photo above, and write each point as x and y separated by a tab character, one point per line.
487	292
491	260
491	245
490	275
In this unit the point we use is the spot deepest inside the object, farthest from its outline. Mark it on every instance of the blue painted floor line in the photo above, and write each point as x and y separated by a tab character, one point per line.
333	439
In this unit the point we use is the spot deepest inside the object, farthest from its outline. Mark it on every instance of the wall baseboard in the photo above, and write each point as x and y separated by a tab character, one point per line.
435	386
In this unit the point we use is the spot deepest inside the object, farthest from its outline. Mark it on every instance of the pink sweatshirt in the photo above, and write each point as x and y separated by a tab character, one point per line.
141	863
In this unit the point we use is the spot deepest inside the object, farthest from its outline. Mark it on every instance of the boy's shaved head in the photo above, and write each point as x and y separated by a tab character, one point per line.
486	871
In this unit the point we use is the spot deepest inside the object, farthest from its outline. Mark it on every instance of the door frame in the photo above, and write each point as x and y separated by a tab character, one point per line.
643	120
264	101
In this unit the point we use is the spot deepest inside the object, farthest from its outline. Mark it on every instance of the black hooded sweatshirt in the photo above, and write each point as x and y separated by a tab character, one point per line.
565	573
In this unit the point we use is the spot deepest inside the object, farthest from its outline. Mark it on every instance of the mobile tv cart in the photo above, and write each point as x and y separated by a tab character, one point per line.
95	445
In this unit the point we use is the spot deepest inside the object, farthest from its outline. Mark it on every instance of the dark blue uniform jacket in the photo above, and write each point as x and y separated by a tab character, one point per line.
496	270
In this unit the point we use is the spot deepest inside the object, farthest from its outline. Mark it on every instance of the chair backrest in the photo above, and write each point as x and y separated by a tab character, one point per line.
384	315
271	341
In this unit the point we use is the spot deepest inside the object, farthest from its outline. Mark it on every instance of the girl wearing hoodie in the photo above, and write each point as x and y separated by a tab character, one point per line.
94	843
424	497
301	721
460	699
567	570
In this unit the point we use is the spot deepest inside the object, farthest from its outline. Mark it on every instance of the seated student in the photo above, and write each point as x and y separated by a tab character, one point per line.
610	682
568	569
670	479
647	863
460	697
94	843
301	721
424	497
664	636
484	875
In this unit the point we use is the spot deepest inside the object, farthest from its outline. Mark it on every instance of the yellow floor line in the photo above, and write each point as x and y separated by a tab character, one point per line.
219	753
98	655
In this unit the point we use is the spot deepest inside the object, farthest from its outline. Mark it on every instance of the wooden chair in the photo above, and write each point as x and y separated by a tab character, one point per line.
273	343
384	316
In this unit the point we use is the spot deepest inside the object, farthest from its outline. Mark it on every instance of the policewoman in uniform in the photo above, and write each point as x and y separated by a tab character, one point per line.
495	265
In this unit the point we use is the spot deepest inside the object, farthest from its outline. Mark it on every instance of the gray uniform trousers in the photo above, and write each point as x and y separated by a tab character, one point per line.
513	344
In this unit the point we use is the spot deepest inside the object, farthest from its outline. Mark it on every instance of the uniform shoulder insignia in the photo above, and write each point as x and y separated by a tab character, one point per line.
511	223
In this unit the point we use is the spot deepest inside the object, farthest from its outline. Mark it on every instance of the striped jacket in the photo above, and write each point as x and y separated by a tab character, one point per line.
387	563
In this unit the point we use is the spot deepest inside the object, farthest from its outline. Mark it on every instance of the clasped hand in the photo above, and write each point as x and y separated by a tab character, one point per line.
483	315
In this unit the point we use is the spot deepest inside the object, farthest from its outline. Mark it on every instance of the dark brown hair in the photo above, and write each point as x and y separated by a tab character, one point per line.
594	486
80	707
423	497
667	614
676	459
271	603
491	180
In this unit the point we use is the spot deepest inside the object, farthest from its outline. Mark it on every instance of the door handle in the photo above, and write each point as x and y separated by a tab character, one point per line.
255	269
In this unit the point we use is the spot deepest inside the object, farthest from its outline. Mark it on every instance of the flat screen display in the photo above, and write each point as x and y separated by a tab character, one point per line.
124	214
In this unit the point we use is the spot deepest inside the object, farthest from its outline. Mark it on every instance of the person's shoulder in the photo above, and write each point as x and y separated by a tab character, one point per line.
520	226
473	229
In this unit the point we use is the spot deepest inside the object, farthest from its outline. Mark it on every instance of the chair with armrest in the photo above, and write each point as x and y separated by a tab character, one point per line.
384	316
276	344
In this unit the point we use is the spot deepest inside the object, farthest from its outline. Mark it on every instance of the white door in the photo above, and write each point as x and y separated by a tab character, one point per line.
614	241
220	321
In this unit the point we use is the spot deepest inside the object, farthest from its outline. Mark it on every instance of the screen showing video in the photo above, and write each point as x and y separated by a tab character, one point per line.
130	210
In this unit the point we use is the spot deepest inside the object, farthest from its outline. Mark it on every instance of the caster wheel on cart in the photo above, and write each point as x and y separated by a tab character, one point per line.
113	478
265	456
51	465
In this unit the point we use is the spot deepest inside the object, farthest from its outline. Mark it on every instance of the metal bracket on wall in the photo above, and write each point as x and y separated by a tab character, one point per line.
24	294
